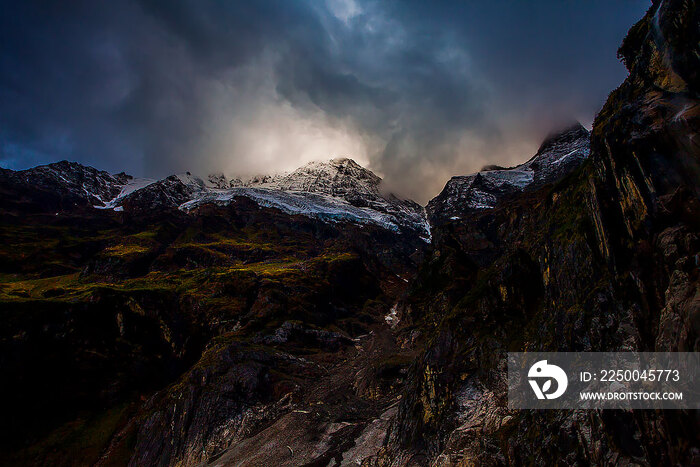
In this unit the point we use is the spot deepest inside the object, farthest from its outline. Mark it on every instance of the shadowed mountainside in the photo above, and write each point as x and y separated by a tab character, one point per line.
605	260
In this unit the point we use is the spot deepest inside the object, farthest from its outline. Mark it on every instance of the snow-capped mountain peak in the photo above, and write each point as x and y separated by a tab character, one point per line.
558	155
339	190
337	177
217	180
78	184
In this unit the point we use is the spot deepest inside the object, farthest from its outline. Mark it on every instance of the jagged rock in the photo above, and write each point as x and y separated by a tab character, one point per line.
216	405
59	186
603	260
320	338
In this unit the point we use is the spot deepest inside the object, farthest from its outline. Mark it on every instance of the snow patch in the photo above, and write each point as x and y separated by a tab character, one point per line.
309	204
336	191
392	318
134	184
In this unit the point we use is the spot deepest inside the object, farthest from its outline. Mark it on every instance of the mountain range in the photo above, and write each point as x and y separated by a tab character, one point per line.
336	191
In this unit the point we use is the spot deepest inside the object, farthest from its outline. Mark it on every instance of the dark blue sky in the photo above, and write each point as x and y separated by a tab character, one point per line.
417	91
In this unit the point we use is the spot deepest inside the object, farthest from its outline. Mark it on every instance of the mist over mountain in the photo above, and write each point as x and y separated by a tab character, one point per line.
338	190
416	92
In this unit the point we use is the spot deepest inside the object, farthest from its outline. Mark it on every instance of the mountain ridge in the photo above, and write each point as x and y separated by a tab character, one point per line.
335	190
560	153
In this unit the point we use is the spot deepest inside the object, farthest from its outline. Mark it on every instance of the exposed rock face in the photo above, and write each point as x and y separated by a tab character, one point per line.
342	178
558	156
60	186
171	337
604	260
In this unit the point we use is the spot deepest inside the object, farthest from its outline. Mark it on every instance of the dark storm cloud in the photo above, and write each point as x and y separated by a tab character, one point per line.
416	90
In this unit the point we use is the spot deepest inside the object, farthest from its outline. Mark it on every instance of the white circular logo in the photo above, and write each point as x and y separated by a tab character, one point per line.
545	373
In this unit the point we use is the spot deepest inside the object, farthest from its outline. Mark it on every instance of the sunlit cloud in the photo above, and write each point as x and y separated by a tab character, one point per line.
416	91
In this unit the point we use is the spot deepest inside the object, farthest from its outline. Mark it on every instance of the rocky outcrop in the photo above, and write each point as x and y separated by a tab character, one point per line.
604	260
61	186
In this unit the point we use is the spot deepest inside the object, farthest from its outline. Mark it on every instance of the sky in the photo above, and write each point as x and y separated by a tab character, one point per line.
417	91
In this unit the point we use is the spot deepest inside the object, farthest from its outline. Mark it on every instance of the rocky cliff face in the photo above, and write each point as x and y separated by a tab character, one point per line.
604	260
